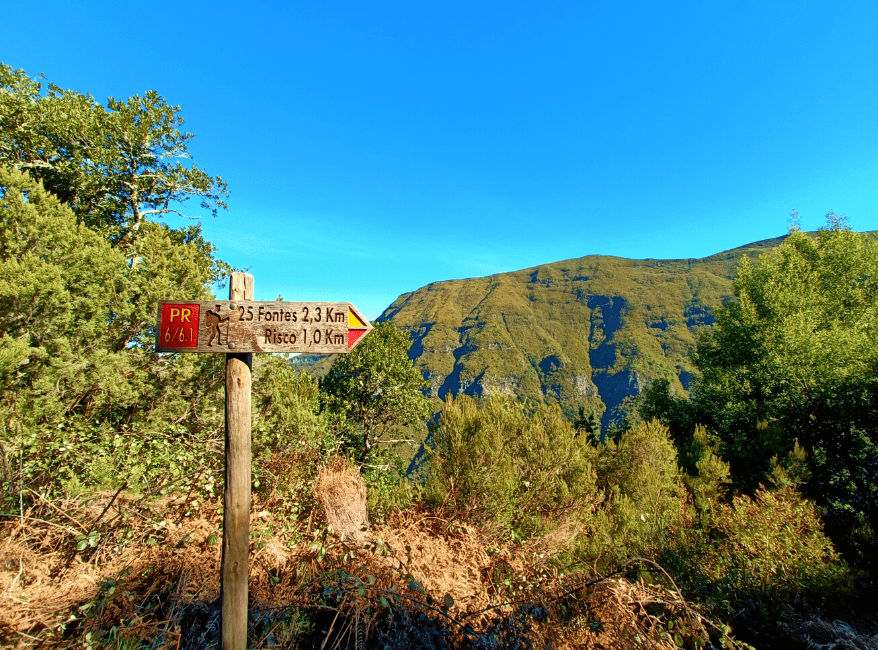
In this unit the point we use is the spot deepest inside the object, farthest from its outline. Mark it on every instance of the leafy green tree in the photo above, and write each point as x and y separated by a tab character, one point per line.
116	166
795	357
86	402
374	390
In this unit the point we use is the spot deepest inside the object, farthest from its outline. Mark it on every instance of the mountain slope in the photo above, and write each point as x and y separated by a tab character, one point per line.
585	332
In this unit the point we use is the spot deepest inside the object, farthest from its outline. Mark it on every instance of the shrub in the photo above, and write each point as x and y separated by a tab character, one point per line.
643	513
709	482
771	550
519	467
287	410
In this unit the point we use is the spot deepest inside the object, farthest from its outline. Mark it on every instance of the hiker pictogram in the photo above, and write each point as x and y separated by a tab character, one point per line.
214	321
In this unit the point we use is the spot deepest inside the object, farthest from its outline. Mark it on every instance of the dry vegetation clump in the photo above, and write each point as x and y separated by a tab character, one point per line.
342	494
59	582
444	557
142	578
618	613
422	581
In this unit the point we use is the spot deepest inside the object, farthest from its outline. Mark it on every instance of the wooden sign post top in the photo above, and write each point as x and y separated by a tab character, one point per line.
228	326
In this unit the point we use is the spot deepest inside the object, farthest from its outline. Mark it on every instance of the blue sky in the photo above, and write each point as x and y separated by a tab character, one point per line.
373	148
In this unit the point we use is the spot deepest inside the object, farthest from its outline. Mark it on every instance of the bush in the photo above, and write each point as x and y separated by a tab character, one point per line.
287	411
643	513
520	468
708	483
388	487
771	550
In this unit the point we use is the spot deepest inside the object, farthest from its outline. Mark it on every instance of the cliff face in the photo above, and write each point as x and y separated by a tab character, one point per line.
586	332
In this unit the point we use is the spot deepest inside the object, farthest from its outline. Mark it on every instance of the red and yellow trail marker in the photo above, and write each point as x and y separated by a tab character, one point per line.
356	328
179	325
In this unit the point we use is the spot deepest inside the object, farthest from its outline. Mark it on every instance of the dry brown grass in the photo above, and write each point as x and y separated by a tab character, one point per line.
342	493
502	595
44	580
444	557
616	613
170	564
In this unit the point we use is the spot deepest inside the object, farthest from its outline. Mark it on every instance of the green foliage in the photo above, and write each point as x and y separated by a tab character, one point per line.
793	472
283	628
709	482
80	387
290	430
57	279
763	552
644	508
588	425
795	357
287	407
771	549
114	166
658	402
77	456
373	391
86	404
387	487
503	463
286	486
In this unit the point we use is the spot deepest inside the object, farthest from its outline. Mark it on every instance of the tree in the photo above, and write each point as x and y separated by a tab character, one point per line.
657	402
589	425
85	400
115	166
795	357
57	279
374	390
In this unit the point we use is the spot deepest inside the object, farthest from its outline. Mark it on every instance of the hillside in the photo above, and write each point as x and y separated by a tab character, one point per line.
585	332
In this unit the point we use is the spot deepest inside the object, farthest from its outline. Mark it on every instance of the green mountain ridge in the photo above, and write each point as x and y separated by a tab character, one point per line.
585	332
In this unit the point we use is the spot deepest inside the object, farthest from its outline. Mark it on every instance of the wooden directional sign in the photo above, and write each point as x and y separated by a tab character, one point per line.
243	326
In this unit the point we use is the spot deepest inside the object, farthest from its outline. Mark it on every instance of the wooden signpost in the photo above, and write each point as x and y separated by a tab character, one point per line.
237	327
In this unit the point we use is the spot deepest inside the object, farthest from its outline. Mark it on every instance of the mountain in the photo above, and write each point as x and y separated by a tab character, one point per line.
584	332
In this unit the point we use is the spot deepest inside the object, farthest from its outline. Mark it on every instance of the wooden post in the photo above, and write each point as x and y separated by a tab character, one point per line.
238	330
236	514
